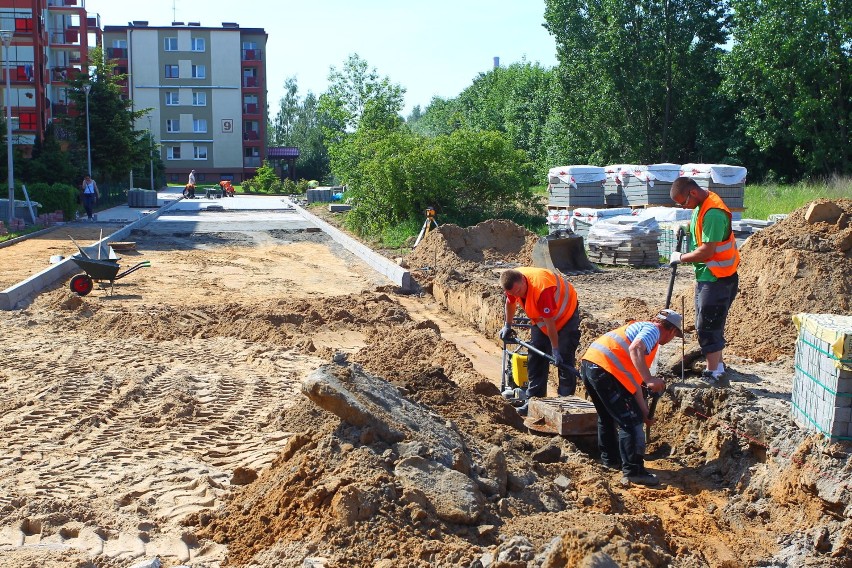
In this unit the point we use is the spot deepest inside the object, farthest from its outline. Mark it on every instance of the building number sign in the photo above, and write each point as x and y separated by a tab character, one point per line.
227	125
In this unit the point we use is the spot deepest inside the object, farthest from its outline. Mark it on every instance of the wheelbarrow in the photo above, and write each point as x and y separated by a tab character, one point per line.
99	270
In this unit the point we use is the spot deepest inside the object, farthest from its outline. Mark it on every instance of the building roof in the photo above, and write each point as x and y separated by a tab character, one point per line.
282	152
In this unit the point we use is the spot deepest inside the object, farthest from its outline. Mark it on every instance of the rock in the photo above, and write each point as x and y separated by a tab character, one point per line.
822	540
153	563
351	504
843	240
562	482
515	553
453	495
598	560
243	476
495	467
826	211
547	454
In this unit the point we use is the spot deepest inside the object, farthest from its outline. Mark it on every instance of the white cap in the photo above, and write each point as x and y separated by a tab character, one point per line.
673	318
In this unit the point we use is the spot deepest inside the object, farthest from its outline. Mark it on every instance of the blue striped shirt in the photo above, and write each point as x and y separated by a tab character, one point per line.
646	331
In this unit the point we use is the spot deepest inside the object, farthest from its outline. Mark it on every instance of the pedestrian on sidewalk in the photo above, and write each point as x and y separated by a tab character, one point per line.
716	259
614	368
90	193
550	302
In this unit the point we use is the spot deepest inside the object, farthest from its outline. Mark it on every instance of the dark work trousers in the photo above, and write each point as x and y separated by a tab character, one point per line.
89	201
712	302
538	367
621	437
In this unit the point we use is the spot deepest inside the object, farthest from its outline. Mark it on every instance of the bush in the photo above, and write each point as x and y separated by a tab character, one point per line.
53	197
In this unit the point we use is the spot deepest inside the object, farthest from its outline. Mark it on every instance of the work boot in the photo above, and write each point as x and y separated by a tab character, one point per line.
646	478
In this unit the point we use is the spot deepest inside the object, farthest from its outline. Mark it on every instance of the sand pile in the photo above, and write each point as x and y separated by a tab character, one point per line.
802	264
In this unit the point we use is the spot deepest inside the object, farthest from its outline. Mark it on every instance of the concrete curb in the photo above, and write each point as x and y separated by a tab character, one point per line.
11	297
377	262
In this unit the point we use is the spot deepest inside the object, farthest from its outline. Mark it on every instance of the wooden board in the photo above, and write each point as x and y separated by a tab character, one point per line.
563	415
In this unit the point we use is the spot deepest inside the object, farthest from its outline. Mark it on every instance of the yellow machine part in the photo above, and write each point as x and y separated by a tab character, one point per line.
519	369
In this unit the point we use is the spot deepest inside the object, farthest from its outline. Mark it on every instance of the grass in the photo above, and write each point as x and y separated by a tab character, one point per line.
762	200
14	234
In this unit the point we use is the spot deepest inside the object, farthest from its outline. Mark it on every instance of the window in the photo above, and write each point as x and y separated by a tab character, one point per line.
170	44
27	121
23	25
199	125
199	71
249	45
119	43
173	153
200	152
199	99
172	125
172	72
198	44
172	98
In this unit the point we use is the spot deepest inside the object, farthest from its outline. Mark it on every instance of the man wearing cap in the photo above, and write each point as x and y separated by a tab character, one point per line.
614	368
550	302
716	259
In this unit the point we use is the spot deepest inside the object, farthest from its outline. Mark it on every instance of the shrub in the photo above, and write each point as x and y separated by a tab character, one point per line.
53	197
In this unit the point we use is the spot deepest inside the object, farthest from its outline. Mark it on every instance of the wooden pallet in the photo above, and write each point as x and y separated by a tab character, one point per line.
563	415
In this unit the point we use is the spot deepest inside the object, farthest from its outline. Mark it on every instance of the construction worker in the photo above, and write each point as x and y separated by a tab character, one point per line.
614	368
716	259
550	301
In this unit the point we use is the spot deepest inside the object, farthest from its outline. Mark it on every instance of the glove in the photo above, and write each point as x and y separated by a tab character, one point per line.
506	332
674	259
558	359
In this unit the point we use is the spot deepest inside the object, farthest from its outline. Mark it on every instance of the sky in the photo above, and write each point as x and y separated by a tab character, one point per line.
434	48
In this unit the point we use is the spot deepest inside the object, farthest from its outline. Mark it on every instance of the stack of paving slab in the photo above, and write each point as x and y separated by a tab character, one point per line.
728	182
822	384
141	198
581	220
648	185
625	241
576	186
614	184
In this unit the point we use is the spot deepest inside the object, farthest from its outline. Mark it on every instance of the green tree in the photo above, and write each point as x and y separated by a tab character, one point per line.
300	124
116	147
789	74
636	76
49	163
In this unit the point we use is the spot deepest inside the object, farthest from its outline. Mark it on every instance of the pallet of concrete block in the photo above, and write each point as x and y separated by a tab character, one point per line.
822	384
141	198
648	185
624	240
576	186
614	184
728	182
583	218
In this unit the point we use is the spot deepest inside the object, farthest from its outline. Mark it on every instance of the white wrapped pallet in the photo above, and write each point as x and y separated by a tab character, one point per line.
625	240
728	182
649	185
576	186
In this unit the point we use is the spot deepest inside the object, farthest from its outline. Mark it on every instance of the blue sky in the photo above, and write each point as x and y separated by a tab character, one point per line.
433	48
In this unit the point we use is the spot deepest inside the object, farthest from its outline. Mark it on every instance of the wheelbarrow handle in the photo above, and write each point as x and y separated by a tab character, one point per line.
143	264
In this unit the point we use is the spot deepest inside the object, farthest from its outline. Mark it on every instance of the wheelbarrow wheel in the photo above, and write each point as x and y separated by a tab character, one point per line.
82	284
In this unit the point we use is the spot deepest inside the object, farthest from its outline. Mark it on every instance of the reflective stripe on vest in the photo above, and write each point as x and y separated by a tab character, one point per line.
539	280
726	257
611	352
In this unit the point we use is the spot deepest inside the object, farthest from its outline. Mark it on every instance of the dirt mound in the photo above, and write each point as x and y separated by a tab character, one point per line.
802	264
496	241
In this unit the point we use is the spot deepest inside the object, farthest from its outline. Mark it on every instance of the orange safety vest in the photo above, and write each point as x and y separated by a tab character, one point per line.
726	258
611	352
539	280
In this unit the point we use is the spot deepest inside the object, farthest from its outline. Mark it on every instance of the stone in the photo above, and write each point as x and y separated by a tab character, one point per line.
453	495
826	211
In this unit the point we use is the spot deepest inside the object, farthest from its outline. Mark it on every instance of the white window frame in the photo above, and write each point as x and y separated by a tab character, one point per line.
172	98
199	152
249	45
199	71
172	125
199	125
171	151
170	44
119	43
173	68
198	44
199	98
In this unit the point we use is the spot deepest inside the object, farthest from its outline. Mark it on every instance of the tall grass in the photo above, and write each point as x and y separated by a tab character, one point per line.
762	200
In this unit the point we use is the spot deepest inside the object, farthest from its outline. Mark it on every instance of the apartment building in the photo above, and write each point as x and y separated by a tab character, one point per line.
50	42
205	91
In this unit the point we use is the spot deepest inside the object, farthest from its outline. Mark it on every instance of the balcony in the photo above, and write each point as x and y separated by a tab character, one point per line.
251	162
67	37
252	55
116	53
251	135
250	108
64	3
249	81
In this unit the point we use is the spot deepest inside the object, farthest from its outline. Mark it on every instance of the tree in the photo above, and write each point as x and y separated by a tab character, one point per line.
635	75
789	74
116	147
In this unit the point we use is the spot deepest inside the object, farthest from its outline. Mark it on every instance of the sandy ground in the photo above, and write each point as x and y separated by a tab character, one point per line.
128	420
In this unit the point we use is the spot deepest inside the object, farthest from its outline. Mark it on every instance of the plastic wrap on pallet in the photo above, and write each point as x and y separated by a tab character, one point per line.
619	230
719	173
572	175
662	214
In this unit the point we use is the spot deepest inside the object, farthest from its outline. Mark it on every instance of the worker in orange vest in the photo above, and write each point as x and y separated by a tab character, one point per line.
716	259
614	368
550	302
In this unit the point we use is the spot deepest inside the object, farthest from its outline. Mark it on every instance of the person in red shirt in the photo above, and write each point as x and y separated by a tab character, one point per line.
550	302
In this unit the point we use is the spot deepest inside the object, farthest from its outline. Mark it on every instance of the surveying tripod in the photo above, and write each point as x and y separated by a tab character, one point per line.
427	225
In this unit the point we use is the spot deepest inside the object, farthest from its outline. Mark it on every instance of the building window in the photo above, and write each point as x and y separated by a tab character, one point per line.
172	98
200	152
199	125
199	99
119	43
199	71
172	72
249	45
170	44
198	44
27	121
172	125
23	25
173	153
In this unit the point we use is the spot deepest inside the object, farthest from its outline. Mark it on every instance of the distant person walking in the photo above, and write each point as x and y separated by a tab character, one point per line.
716	259
89	189
191	177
